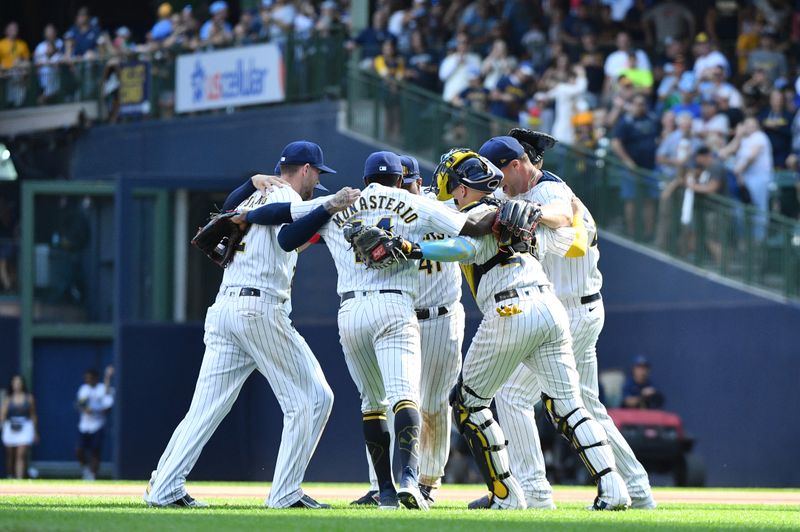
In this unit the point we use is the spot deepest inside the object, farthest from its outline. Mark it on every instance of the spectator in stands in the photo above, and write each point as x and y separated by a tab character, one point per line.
757	90
767	58
20	427
507	99
722	22
479	23
13	50
81	39
184	31
370	40
712	127
329	20
753	166
591	59
535	45
217	30
454	69
403	22
746	42
638	391
688	98
475	96
670	19
707	176
95	400
568	95
634	141
706	58
246	30
618	60
497	64
668	93
389	65
724	96
163	27
641	77
776	122
47	55
577	22
422	65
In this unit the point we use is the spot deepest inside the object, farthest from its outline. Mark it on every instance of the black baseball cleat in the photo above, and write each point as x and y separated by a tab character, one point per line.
187	501
427	493
388	500
371	498
483	503
309	503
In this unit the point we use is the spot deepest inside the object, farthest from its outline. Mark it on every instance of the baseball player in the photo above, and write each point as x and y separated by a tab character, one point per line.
441	323
378	326
247	328
523	322
577	282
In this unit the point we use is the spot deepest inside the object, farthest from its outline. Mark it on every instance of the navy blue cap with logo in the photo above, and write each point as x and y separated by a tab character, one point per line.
502	150
410	169
302	152
383	163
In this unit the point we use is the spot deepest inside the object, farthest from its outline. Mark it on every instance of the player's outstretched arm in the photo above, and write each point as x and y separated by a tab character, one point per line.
455	249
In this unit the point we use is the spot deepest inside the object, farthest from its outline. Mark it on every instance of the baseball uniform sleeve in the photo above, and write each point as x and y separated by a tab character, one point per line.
302	208
438	218
558	241
550	192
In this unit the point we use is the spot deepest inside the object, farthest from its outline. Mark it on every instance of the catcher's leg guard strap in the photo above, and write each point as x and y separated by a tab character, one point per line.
486	442
584	434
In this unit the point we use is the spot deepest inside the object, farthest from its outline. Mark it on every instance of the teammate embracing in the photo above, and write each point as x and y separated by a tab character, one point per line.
523	323
441	324
577	283
247	328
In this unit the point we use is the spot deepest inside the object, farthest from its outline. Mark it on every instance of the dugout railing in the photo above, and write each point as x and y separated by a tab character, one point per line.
716	233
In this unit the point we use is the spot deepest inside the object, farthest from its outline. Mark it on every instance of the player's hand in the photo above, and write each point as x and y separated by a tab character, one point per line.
240	219
342	199
265	183
109	372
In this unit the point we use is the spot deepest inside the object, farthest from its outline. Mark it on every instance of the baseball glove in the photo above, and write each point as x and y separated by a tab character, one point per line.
376	248
219	238
515	223
534	142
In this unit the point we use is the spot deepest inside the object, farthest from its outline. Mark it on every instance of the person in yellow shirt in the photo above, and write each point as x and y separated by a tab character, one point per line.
13	50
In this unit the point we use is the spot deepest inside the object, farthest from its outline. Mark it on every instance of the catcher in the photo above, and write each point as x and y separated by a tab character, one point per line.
523	322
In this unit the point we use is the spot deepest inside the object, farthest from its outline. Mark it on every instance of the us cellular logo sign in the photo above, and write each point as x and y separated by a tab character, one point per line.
241	76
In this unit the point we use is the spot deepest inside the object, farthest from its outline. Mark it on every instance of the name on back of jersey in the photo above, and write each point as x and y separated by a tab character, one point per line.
376	202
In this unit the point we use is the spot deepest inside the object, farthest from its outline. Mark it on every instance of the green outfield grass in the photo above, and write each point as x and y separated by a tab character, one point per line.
50	512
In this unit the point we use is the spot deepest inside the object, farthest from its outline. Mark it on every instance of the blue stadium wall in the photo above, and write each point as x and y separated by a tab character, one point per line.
726	359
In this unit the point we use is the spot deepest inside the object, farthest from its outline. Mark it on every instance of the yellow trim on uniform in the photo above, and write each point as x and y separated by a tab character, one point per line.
581	241
400	405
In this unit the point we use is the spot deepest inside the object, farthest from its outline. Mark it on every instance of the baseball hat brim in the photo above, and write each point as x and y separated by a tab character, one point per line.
323	169
319	186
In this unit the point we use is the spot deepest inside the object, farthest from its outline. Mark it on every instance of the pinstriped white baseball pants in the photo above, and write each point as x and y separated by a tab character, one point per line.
441	339
243	334
379	334
516	399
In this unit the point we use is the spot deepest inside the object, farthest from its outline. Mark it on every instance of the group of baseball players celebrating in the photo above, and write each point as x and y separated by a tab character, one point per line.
401	327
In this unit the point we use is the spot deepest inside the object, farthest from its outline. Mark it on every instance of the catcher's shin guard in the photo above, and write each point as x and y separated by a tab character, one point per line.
588	438
487	444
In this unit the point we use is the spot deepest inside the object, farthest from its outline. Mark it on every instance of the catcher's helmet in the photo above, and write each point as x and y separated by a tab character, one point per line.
462	166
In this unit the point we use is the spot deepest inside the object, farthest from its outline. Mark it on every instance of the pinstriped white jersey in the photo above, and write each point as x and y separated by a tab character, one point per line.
522	270
392	209
261	263
439	282
573	277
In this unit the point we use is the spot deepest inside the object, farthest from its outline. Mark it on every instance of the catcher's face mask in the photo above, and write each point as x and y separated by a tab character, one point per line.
465	167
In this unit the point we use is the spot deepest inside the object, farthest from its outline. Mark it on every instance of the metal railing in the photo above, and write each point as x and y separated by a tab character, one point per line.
314	68
720	236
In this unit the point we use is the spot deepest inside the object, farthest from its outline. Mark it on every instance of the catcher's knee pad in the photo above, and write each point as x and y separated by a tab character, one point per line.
584	434
485	440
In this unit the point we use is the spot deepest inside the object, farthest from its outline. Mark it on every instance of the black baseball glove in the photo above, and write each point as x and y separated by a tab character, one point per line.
534	142
219	238
515	223
376	248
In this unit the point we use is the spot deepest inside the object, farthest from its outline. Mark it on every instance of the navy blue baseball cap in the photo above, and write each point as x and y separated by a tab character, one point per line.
502	150
318	186
302	152
641	360
383	163
410	169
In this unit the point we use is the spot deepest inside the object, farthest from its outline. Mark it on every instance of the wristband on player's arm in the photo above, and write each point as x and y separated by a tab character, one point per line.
581	241
297	233
448	250
239	195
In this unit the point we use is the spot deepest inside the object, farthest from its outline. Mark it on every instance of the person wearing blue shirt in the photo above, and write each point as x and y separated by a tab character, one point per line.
638	391
82	37
163	28
217	30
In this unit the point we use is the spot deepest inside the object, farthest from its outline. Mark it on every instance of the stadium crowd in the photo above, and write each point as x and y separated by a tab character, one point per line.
702	95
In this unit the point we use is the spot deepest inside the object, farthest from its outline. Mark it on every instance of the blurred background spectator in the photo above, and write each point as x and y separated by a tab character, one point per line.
95	400
639	391
20	427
